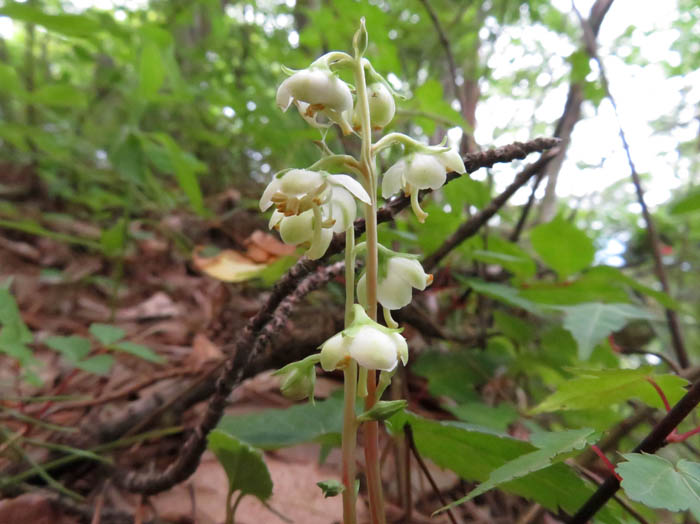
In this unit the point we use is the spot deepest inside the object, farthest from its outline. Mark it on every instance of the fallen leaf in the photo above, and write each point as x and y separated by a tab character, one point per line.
203	351
269	243
228	265
159	305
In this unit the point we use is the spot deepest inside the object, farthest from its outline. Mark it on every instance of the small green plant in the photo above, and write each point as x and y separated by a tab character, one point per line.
313	203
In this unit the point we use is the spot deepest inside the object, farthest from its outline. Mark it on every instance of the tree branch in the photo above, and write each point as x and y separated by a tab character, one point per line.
471	226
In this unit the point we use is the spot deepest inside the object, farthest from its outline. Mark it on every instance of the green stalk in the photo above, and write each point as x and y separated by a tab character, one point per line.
349	437
371	429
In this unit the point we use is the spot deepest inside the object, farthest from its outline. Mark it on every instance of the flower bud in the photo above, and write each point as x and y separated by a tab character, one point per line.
298	378
382	107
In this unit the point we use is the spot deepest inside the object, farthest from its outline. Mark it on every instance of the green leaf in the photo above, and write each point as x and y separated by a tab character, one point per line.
66	24
112	239
501	292
497	418
99	364
59	95
591	323
106	334
456	374
465	191
244	465
73	348
151	71
508	255
330	488
654	481
278	428
580	65
473	454
551	444
185	168
515	328
562	246
138	350
593	388
686	204
9	80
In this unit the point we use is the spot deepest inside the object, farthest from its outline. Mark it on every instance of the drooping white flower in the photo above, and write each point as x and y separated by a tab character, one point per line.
311	206
315	91
395	287
372	345
418	171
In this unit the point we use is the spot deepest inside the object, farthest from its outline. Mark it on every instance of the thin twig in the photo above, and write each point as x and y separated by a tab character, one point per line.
459	93
471	226
671	317
408	432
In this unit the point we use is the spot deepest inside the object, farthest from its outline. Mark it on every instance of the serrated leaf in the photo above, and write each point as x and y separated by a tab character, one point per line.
99	364
594	388
106	333
73	348
244	465
138	350
473	454
508	255
551	444
654	481
591	323
562	246
278	428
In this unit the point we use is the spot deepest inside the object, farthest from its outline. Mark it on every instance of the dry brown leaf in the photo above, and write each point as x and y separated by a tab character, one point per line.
269	243
228	265
203	351
159	305
31	508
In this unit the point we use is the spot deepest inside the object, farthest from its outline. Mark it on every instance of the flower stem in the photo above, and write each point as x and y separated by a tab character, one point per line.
349	437
371	428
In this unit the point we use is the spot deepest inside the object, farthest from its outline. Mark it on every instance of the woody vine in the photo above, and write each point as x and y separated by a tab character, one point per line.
313	203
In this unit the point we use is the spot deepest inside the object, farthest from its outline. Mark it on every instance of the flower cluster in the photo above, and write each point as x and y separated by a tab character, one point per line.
310	206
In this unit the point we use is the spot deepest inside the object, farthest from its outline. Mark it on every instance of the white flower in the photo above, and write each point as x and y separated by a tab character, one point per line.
395	288
372	345
317	90
382	106
295	191
311	206
418	171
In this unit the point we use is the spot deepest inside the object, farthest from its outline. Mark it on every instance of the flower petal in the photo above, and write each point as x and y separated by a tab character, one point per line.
393	178
452	161
271	189
351	185
410	270
393	292
318	249
284	94
401	347
373	349
343	209
297	229
334	351
425	171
